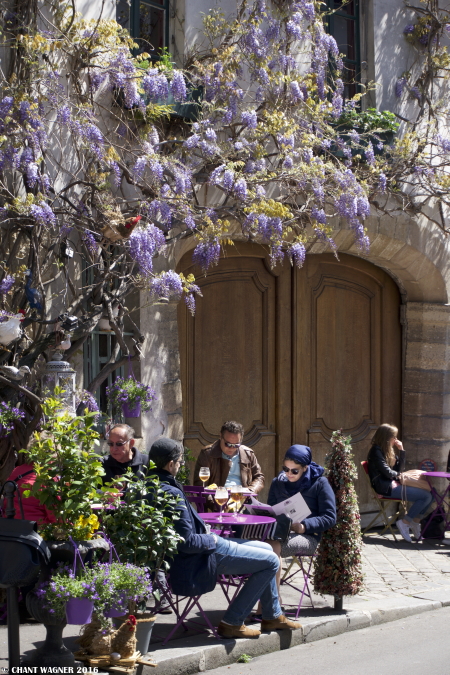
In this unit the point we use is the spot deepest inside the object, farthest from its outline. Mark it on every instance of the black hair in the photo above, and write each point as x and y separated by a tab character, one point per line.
165	450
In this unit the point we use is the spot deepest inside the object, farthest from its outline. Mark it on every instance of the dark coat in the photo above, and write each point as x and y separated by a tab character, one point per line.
320	500
193	570
113	468
380	473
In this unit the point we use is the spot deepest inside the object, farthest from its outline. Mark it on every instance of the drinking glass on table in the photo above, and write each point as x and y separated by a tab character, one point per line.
204	474
221	497
237	495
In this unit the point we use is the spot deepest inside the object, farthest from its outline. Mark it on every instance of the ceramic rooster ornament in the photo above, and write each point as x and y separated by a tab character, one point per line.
10	328
34	296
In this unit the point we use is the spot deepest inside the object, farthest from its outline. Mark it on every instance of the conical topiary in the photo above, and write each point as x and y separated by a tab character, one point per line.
337	569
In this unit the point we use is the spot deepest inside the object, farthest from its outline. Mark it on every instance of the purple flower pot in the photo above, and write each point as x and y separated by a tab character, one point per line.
131	412
118	609
79	611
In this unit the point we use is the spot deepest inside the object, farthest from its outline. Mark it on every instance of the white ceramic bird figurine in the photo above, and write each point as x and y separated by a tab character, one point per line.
65	344
10	329
14	373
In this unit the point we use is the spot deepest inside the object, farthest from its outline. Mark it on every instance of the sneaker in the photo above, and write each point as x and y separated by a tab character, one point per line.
280	623
403	528
416	530
225	630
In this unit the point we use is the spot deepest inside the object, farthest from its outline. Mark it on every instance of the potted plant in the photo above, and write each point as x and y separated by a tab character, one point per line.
68	472
103	588
130	395
142	531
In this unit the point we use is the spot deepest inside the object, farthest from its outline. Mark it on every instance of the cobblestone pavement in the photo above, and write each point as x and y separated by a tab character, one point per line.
399	567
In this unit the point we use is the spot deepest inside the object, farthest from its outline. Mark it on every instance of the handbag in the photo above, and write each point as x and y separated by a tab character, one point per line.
410	481
22	549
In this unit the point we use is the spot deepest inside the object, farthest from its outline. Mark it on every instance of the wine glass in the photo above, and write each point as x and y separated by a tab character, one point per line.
204	474
221	497
237	496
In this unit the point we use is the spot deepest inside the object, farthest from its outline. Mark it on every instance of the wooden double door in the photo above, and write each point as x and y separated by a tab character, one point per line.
291	354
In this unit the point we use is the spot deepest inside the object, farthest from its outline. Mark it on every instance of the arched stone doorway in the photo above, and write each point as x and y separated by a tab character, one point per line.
292	354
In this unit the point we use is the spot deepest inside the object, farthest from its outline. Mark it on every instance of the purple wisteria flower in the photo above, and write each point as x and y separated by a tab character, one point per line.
400	86
240	189
369	153
319	215
408	29
6	284
296	92
155	85
297	254
250	119
43	214
90	242
206	254
144	244
178	86
382	182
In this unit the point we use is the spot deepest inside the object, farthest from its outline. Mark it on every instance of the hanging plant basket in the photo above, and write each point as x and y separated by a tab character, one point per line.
79	611
131	411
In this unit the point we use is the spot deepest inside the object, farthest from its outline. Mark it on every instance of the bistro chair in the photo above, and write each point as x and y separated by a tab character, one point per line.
183	605
304	562
382	503
196	495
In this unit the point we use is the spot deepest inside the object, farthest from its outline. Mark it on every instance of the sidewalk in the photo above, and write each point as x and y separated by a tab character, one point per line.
400	579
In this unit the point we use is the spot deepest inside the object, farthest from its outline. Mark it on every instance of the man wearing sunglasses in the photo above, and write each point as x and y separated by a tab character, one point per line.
230	461
123	454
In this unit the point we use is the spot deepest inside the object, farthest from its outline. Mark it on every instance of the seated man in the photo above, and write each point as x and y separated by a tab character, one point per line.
201	557
123	454
230	461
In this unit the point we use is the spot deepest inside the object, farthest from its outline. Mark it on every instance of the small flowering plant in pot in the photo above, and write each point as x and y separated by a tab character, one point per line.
65	586
9	414
119	584
130	395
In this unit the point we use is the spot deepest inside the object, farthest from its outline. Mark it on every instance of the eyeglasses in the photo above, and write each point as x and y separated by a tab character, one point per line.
232	445
293	471
119	444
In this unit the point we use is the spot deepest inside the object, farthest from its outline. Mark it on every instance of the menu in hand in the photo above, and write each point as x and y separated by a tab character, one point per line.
295	508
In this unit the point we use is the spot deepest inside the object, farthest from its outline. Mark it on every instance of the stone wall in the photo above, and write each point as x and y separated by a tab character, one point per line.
426	387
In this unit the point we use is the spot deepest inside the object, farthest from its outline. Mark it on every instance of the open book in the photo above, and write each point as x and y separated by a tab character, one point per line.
295	508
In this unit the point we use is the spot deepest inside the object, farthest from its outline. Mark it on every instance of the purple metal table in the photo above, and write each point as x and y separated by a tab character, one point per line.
441	499
225	521
230	583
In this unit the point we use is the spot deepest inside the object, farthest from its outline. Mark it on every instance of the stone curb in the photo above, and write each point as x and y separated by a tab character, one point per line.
192	655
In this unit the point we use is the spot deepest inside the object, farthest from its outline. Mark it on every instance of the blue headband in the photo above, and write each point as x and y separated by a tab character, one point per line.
300	454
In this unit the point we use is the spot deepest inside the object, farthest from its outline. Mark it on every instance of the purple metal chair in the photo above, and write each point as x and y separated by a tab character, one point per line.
183	605
196	495
304	562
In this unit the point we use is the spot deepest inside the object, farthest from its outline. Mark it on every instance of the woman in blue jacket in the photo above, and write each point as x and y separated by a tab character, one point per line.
301	474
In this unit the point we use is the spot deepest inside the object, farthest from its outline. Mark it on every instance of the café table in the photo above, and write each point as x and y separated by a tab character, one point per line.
225	521
440	499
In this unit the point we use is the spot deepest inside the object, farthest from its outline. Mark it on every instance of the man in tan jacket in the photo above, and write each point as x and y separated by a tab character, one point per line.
230	461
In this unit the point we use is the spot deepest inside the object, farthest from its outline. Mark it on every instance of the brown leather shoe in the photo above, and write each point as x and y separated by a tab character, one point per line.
280	623
227	631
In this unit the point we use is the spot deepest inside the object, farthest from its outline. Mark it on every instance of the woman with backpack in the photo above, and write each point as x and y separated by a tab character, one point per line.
388	479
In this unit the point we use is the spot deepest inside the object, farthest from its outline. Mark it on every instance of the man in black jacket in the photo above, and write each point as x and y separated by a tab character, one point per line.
123	454
202	557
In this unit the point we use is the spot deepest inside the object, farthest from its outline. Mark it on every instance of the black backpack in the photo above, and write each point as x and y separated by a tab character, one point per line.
435	528
22	550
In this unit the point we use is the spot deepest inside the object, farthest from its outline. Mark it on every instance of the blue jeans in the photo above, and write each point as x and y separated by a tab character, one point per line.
421	500
239	556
